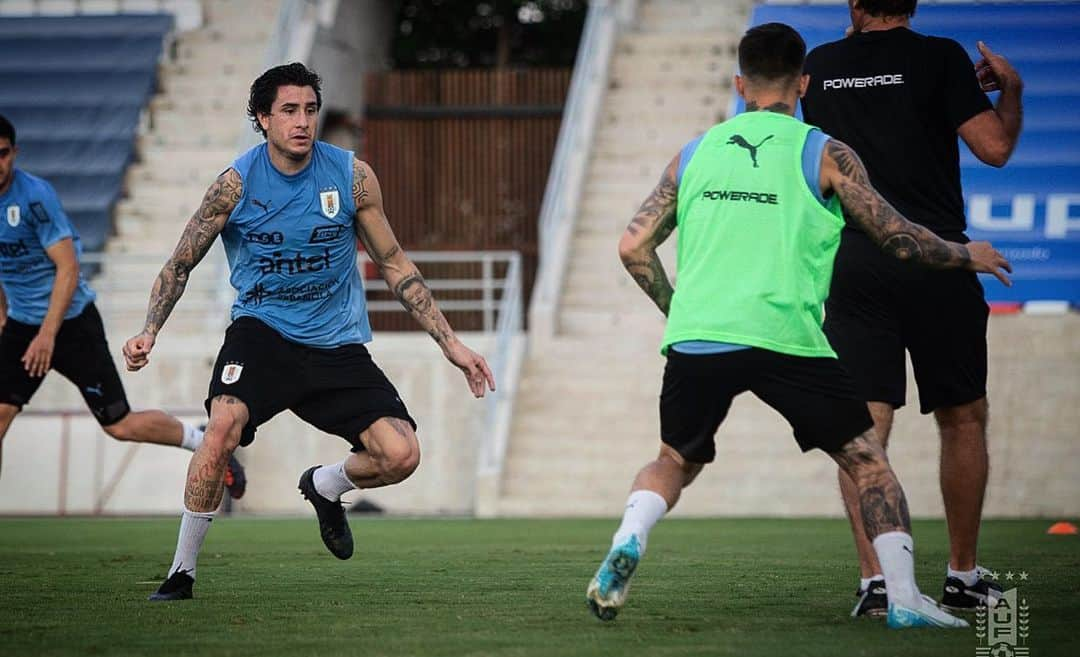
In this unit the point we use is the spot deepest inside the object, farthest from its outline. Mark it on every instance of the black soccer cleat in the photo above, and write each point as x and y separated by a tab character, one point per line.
985	592
235	478
177	587
873	602
333	527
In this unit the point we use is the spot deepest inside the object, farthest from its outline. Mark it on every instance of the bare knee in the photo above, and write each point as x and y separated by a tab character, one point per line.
222	435
398	461
122	430
968	419
864	460
7	414
669	458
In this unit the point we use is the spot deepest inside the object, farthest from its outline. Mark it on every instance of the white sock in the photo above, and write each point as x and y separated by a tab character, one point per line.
331	481
968	577
896	554
644	508
192	437
193	527
864	582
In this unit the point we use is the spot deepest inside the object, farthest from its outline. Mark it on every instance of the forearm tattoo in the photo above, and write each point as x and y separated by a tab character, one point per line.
652	224
882	503
895	235
198	236
416	297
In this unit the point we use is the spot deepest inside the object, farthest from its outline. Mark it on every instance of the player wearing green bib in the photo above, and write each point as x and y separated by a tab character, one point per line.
757	203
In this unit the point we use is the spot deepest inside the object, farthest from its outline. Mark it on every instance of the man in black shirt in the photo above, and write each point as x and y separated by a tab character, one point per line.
900	99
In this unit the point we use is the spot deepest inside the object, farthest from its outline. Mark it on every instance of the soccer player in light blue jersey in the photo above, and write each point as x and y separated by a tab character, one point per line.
289	212
48	318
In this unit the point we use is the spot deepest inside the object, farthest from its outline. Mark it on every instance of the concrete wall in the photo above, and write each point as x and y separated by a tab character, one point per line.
35	477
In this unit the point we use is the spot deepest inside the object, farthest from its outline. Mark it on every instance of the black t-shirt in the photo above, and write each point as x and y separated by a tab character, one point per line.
897	98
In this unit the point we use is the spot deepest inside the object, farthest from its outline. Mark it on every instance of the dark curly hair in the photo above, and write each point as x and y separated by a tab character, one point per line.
773	51
264	89
7	130
889	7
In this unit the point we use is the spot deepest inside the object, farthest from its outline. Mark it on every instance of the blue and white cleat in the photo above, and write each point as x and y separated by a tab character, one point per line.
609	587
926	615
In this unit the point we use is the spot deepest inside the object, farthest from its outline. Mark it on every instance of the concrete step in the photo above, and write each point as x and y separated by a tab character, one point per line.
188	139
691	44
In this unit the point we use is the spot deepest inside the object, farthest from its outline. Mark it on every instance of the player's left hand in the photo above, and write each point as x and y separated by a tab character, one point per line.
473	366
38	357
994	72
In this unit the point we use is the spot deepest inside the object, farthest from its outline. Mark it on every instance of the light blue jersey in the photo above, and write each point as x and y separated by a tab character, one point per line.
292	249
35	221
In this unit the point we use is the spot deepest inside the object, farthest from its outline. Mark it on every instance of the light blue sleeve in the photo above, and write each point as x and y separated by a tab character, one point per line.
685	155
47	215
811	162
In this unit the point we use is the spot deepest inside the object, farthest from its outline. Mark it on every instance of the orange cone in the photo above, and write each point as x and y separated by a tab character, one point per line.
1062	529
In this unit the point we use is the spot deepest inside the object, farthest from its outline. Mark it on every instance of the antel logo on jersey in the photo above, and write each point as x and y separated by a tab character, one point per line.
862	83
273	238
294	264
14	249
325	234
13	215
746	197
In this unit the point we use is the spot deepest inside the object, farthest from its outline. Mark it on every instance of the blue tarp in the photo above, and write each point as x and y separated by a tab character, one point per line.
1030	208
74	88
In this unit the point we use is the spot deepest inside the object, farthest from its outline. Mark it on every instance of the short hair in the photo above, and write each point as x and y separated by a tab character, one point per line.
7	130
265	87
889	7
771	52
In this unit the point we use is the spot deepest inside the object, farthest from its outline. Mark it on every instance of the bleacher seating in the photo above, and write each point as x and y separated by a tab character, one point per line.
1042	40
74	87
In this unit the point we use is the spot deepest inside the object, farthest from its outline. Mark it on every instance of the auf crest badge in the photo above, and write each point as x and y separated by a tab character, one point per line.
231	373
13	215
330	202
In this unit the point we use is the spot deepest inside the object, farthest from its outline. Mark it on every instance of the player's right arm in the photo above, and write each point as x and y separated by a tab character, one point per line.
199	234
843	173
652	224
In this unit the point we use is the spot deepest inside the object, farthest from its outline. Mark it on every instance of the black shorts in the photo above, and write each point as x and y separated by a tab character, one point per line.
879	306
340	391
815	395
81	355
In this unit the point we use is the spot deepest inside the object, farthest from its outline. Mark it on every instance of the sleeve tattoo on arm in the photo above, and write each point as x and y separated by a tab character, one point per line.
198	236
652	224
888	228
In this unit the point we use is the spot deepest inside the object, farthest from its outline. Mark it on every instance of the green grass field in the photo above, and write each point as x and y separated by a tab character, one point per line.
499	587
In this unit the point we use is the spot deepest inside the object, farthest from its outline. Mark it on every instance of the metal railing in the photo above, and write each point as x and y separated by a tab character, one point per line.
566	180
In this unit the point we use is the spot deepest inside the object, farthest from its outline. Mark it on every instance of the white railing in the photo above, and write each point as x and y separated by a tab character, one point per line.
505	362
566	179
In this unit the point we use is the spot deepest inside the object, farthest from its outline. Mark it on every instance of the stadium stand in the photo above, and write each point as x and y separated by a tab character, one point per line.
1031	208
75	88
585	417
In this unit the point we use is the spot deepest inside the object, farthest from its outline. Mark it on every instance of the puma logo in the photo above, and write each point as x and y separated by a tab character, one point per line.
96	390
739	141
265	206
